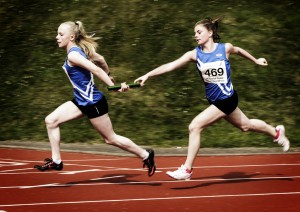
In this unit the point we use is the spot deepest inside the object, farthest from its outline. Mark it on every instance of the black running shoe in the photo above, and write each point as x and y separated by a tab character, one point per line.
47	160
49	164
150	163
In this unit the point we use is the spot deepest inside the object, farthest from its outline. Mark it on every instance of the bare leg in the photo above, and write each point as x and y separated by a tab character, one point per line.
240	120
104	127
199	123
63	113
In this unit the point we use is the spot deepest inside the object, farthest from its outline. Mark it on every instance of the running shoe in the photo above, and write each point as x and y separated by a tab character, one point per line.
49	164
47	160
182	173
150	163
282	139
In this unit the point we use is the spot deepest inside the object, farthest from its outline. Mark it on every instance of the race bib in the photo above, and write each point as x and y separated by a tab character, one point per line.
214	72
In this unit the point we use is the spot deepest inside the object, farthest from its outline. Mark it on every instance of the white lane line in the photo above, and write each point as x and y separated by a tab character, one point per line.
246	179
104	178
239	166
34	172
152	199
82	160
39	186
106	159
70	172
108	168
58	184
80	171
12	170
11	163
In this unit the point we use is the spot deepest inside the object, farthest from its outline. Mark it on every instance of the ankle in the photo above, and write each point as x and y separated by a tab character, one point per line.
188	169
277	131
56	161
145	154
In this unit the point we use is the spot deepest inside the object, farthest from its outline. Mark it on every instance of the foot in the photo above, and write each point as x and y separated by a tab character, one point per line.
49	164
150	163
182	173
282	139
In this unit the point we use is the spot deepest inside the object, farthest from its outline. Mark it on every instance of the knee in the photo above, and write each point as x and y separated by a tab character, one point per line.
108	141
245	128
111	140
50	122
197	128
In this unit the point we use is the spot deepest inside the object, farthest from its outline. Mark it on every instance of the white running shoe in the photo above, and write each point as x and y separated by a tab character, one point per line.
282	139
180	174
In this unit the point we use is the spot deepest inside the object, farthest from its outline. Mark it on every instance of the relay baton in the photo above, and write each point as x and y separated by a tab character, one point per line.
117	87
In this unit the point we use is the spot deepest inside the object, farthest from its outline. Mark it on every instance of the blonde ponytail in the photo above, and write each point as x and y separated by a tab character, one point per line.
86	42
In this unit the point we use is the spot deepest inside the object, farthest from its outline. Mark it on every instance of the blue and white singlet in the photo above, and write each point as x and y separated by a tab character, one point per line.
82	80
214	69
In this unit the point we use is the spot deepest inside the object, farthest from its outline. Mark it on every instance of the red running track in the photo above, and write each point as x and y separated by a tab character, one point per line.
91	182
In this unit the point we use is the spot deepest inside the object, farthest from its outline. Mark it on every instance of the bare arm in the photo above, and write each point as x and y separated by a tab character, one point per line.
77	59
230	49
184	59
100	61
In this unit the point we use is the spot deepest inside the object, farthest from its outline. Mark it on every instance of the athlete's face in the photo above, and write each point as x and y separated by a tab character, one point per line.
202	34
64	36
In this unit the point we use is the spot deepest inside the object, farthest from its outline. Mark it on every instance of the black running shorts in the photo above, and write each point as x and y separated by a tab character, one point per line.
228	105
95	110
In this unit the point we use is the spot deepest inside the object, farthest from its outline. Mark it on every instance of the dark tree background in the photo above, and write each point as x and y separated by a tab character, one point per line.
136	37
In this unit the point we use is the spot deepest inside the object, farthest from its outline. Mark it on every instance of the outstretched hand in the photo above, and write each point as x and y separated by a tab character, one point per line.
141	80
262	62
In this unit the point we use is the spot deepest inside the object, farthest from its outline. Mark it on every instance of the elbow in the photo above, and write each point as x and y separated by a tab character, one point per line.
99	58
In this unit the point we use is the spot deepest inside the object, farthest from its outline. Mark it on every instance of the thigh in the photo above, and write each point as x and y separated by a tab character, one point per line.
65	112
237	118
207	117
103	126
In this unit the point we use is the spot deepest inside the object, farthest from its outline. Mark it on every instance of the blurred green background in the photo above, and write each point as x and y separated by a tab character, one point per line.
136	37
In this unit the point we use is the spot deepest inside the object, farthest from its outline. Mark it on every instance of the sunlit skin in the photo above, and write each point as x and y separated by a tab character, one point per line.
64	36
68	111
212	114
202	35
66	40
